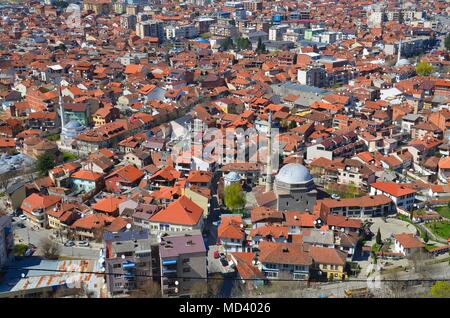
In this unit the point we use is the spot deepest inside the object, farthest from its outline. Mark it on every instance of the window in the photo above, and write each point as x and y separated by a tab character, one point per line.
116	265
186	270
186	260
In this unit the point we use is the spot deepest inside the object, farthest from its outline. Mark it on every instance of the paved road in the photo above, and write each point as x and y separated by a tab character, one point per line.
35	237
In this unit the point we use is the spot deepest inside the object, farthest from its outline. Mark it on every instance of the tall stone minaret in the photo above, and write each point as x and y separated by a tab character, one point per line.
269	156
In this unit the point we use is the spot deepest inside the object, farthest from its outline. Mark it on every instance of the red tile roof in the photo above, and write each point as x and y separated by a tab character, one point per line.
182	212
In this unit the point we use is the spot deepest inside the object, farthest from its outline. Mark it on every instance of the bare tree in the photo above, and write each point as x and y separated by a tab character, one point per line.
50	249
396	285
418	259
147	289
209	289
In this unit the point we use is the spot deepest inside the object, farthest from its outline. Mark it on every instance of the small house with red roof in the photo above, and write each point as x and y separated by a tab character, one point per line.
180	215
230	233
407	243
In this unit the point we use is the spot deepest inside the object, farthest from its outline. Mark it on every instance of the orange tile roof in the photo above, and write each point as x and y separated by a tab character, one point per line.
230	227
39	201
87	175
392	188
183	212
408	240
108	204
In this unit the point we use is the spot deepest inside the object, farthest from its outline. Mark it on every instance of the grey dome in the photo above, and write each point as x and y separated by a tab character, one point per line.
232	177
72	124
293	173
403	62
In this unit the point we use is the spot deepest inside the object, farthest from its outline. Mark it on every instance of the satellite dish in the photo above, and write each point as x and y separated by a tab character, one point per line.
123	256
128	226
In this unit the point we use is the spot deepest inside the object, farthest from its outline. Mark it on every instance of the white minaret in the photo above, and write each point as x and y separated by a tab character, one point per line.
61	109
269	156
399	55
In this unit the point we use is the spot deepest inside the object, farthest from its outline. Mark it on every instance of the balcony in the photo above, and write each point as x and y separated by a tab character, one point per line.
129	265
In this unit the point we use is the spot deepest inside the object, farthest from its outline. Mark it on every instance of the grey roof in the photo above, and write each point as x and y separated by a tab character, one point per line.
319	237
172	246
294	173
411	117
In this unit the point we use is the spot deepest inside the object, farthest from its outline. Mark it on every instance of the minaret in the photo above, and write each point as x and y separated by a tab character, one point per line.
269	156
61	109
399	56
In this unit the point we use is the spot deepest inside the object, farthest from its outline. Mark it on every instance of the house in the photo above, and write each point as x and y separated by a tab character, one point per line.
402	196
183	263
246	264
262	216
123	178
90	227
365	206
138	158
108	205
62	216
87	181
296	221
231	234
36	206
407	244
180	215
200	196
284	261
328	261
269	233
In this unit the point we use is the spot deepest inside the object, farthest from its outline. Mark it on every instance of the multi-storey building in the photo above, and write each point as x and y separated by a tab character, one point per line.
183	263
128	260
6	240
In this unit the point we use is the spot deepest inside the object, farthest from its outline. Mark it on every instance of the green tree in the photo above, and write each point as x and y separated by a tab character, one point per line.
44	163
242	43
440	289
423	68
292	124
234	197
227	44
260	48
378	237
447	42
425	237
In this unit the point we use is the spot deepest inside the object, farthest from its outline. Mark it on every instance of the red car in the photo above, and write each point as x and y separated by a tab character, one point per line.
216	254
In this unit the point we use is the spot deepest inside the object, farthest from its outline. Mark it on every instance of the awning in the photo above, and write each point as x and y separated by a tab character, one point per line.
169	262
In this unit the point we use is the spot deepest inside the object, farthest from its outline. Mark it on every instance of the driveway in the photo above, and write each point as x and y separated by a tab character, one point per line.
214	264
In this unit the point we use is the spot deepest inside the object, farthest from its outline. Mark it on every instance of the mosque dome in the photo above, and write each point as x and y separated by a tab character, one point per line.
293	173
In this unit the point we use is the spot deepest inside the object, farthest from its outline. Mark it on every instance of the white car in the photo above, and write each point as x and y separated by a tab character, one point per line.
23	217
83	243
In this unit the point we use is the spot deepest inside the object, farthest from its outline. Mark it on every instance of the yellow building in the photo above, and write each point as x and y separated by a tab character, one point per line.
331	262
200	196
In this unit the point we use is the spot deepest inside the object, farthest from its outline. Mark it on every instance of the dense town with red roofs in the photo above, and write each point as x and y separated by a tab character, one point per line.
200	148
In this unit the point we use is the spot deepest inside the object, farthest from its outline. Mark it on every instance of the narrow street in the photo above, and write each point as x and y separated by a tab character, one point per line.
29	235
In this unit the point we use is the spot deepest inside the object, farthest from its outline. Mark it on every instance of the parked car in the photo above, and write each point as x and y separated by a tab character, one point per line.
23	217
224	262
28	252
21	225
216	254
83	243
222	256
69	243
